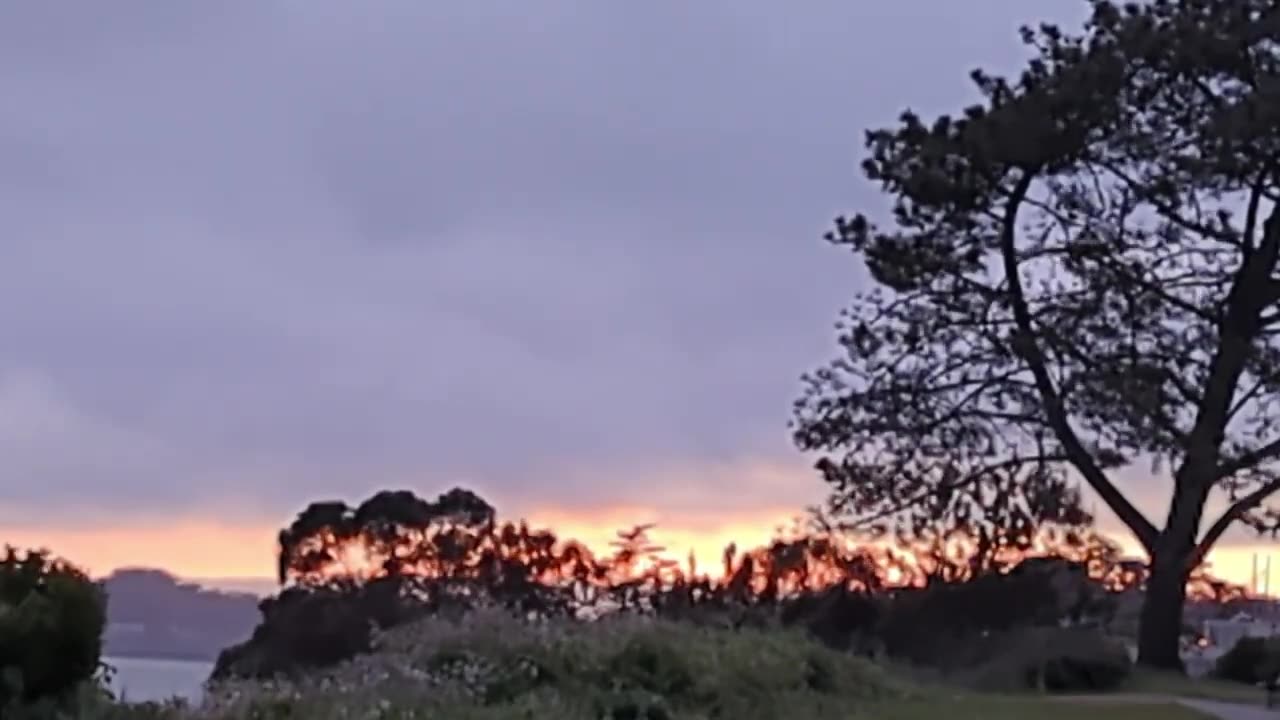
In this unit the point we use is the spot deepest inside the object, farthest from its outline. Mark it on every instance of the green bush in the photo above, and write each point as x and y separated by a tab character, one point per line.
51	621
491	665
1251	660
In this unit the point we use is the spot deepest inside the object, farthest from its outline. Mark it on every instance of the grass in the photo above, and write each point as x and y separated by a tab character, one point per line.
1150	682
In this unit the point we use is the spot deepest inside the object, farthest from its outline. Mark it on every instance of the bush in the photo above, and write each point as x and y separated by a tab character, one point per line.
301	629
492	665
305	628
1251	660
941	624
1060	660
837	617
51	621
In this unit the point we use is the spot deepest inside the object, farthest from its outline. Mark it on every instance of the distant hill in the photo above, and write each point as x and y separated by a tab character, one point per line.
262	587
152	614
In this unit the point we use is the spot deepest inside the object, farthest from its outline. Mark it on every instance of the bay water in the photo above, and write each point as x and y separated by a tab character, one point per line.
143	679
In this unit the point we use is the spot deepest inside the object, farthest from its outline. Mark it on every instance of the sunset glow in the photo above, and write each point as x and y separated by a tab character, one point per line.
211	550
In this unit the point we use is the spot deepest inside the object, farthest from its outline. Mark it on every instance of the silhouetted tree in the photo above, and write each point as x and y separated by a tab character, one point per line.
313	544
393	533
1081	274
348	571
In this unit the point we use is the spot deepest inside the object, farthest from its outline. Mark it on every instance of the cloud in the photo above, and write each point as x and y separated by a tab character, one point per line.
260	252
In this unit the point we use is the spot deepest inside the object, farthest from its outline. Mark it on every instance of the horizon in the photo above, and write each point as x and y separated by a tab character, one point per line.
1230	562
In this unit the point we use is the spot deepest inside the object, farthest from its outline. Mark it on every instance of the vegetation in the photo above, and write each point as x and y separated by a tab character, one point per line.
406	607
625	666
491	665
1080	274
51	621
1251	660
1159	683
349	572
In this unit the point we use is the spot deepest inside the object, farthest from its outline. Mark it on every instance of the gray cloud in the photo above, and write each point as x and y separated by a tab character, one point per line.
255	252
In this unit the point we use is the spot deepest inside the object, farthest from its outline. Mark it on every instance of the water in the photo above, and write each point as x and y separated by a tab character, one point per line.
142	679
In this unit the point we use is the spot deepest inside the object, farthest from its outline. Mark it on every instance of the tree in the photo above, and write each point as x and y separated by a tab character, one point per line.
52	616
1080	274
393	533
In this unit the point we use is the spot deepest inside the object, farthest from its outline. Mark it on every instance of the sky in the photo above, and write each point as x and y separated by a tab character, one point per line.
256	253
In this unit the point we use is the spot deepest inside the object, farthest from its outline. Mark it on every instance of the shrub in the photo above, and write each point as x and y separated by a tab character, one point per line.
301	629
304	628
950	625
92	701
1052	659
51	621
493	665
1251	660
837	617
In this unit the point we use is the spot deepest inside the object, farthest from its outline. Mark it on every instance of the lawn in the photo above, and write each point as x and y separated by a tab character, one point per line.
1149	682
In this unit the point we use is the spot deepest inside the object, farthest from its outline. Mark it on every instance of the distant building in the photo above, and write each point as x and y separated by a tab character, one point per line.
1225	633
1219	635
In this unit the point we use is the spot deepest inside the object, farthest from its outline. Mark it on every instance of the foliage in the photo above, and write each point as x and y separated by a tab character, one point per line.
938	625
851	593
447	555
1081	273
51	621
490	664
305	629
1062	660
770	638
1251	660
91	701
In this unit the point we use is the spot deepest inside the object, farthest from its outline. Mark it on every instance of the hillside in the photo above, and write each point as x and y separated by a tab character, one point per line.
150	613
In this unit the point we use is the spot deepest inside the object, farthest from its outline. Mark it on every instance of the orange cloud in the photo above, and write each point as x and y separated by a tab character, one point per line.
190	548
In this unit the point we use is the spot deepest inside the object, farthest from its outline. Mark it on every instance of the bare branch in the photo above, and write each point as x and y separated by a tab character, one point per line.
1234	512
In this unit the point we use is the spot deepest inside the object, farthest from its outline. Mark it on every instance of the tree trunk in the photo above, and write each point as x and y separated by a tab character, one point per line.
1161	621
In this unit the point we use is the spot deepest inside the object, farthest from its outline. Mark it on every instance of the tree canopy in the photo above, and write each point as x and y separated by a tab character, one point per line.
1080	274
397	535
853	592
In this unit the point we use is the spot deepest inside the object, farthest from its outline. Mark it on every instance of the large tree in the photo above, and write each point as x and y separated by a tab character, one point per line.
1080	274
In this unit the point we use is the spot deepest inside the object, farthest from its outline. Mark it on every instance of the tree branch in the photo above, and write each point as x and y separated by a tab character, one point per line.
1027	347
952	486
1250	459
1251	213
1232	513
1241	324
